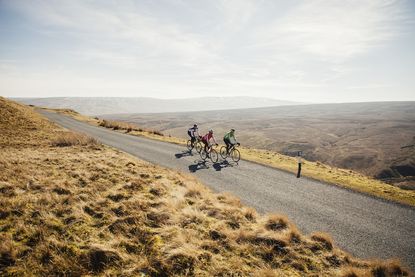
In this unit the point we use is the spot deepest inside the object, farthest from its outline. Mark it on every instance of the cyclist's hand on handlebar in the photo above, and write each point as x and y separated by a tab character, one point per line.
216	144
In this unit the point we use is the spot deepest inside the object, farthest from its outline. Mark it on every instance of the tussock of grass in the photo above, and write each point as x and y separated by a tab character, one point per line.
71	139
324	239
127	127
90	210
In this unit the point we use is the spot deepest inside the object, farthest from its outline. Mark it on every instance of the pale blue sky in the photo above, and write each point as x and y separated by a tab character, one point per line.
309	51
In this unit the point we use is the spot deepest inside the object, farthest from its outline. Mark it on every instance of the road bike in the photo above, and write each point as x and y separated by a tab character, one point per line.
211	153
197	144
233	153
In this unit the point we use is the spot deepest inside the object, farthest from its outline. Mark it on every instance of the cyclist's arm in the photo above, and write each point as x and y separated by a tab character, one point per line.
232	139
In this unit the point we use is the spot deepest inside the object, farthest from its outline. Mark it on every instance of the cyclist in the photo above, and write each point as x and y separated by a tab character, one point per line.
193	132
230	140
206	139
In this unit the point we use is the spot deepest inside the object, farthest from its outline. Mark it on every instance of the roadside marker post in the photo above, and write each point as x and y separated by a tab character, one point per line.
299	164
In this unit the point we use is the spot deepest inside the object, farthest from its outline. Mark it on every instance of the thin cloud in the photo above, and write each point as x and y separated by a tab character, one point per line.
336	31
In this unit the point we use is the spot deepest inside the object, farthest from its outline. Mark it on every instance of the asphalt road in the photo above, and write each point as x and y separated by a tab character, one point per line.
365	226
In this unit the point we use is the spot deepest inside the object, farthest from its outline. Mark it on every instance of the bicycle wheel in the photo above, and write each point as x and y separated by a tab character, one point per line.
213	156
199	146
203	155
189	145
223	153
235	155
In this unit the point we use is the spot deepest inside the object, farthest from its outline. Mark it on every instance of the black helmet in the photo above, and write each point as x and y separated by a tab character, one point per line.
232	130
195	125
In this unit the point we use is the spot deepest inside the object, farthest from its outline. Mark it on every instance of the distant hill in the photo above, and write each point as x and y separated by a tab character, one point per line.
376	139
122	105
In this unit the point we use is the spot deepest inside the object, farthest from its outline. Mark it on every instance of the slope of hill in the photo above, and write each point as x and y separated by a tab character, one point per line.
70	206
366	137
110	105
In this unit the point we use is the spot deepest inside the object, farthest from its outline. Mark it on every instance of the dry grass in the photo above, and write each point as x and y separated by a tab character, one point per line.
71	139
92	210
127	127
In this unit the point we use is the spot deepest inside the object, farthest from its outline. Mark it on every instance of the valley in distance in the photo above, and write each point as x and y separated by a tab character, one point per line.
376	139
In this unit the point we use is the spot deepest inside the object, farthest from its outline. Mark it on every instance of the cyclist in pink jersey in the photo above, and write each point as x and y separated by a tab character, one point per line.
207	138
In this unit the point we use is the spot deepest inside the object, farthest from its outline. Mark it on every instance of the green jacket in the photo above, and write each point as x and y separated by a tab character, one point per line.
230	136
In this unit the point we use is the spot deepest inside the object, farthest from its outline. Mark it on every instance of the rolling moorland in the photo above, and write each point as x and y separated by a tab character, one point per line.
336	176
375	139
111	105
70	205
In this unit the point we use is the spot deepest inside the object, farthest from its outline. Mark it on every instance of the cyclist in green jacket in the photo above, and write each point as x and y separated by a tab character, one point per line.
230	140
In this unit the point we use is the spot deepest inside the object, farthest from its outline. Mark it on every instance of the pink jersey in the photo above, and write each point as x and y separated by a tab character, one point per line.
208	137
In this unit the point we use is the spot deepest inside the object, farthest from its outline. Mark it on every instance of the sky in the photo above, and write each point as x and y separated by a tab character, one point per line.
307	51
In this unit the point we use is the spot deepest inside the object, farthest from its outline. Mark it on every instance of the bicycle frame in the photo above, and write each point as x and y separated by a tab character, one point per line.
230	149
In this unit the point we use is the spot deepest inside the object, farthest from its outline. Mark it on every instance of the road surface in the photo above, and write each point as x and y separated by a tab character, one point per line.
365	226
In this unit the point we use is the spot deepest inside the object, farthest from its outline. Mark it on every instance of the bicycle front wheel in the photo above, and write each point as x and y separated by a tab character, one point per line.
189	145
223	153
213	156
199	147
235	155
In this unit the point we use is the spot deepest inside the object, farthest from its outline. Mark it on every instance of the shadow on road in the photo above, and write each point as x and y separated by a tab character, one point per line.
183	154
223	164
197	166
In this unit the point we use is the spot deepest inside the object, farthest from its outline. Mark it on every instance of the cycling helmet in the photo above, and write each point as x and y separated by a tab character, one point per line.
232	130
211	131
195	126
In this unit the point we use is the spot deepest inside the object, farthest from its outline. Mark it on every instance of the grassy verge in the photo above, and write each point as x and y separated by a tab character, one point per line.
70	206
316	170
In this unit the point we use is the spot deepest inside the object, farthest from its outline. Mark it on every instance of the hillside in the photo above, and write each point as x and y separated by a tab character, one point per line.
111	105
70	205
366	137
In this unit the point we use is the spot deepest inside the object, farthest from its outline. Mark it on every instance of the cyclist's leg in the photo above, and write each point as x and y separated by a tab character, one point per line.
228	143
209	148
205	146
190	137
231	146
192	141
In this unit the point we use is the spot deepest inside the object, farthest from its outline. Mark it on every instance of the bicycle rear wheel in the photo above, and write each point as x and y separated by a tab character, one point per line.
223	153
213	156
235	155
199	147
189	145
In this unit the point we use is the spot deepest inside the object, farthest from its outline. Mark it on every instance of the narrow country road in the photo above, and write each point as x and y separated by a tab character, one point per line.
365	226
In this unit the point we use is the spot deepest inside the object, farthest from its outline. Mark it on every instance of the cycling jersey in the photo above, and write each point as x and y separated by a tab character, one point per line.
230	137
206	138
193	132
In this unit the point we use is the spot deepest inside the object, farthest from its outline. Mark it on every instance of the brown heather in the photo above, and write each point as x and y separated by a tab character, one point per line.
87	209
122	126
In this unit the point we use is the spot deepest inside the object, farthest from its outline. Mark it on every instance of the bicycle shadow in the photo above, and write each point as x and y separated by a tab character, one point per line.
198	166
218	166
182	154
